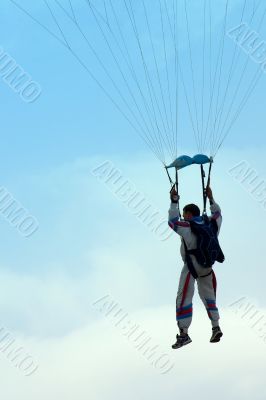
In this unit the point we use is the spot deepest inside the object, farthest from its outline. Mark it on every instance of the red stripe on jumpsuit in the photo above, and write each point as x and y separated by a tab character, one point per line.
185	289
214	282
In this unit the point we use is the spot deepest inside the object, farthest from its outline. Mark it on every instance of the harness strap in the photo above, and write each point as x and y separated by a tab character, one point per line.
204	276
190	263
195	253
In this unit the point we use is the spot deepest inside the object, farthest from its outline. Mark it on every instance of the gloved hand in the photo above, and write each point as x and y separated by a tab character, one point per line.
174	196
209	193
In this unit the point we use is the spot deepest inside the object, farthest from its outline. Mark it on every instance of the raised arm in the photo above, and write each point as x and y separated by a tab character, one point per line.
180	227
215	209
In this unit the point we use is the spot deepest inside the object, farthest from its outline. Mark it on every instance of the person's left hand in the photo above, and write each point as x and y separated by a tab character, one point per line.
174	196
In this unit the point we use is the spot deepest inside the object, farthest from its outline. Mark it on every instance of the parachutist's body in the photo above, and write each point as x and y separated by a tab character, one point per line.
205	277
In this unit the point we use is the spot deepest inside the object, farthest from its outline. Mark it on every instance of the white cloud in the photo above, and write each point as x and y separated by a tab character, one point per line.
81	354
97	362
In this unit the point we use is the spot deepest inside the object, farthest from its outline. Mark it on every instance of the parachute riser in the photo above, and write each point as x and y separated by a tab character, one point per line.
203	176
204	188
169	177
174	184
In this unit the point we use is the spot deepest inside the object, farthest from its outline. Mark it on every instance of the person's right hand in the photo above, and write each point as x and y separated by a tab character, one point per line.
209	193
173	195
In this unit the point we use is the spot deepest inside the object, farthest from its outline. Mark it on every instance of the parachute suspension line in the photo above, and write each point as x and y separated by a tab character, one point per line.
248	93
156	66
160	107
156	137
150	85
250	90
127	58
220	132
224	133
145	128
170	126
192	75
203	77
176	44
86	68
220	62
174	35
166	129
72	9
152	137
106	13
180	75
24	11
167	79
140	132
147	76
57	24
187	101
220	71
213	86
245	99
232	70
116	61
210	69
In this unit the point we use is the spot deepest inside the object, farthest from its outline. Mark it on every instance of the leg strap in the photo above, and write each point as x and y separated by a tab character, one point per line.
204	276
190	263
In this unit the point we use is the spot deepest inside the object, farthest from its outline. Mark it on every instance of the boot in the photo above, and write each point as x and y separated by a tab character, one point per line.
181	340
216	334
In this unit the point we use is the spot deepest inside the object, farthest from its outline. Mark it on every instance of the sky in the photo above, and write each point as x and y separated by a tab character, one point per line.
88	243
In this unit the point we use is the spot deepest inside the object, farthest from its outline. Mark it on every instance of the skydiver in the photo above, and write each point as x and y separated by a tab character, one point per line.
206	279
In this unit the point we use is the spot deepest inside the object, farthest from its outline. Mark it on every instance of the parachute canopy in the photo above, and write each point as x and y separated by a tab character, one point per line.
185	161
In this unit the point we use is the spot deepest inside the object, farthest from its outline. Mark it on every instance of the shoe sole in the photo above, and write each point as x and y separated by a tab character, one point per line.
182	345
217	339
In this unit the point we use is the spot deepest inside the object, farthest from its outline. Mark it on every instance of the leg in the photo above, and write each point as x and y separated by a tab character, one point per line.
184	300
207	291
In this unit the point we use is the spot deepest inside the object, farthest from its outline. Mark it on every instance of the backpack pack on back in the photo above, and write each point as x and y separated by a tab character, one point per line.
208	248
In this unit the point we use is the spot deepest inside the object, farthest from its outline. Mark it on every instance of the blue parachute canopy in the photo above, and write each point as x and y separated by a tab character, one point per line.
181	162
185	161
201	159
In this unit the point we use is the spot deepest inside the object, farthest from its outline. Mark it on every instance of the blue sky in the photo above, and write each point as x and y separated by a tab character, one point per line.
88	244
75	125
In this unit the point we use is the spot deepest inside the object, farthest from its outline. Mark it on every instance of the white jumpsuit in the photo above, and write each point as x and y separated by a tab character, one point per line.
206	285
